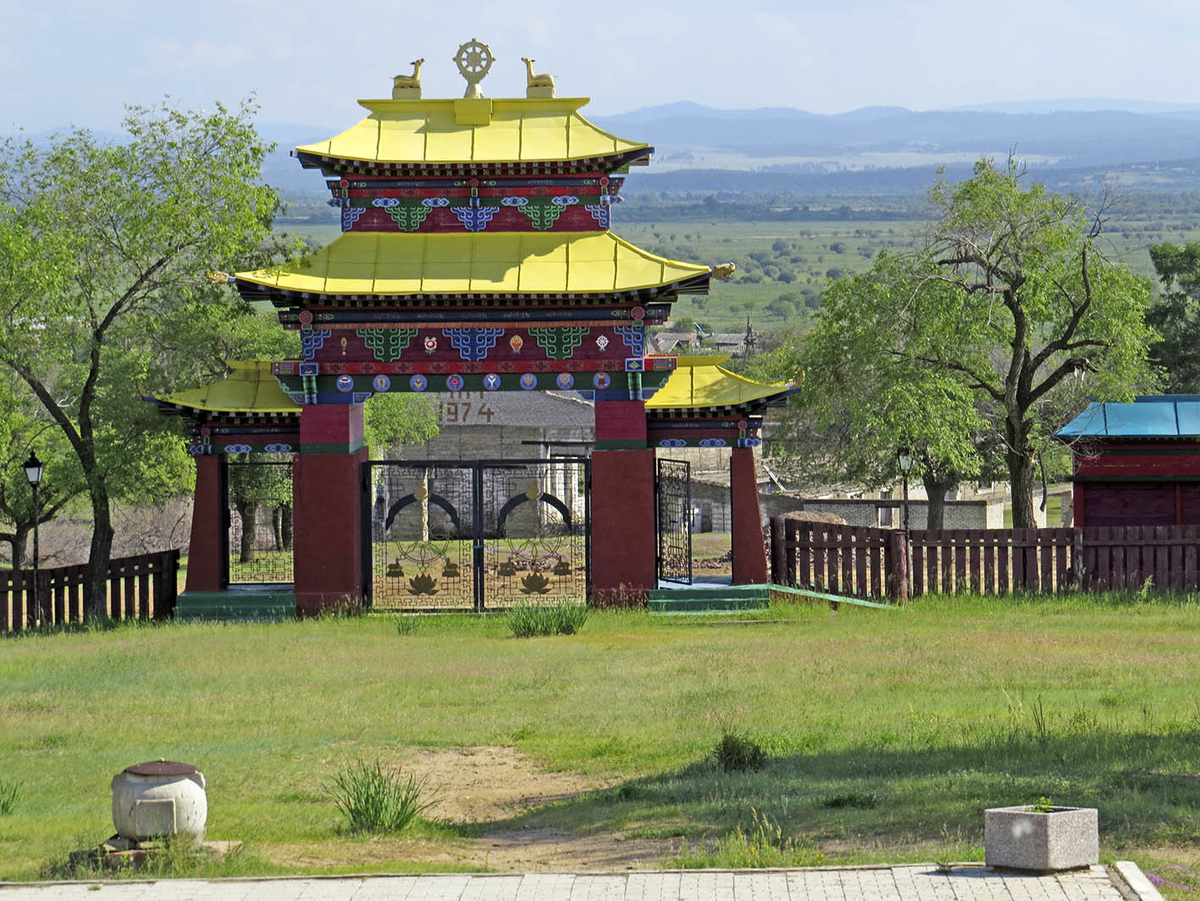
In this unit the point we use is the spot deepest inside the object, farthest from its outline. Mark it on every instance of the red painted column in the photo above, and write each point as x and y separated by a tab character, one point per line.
1077	491
327	539
749	557
622	505
206	549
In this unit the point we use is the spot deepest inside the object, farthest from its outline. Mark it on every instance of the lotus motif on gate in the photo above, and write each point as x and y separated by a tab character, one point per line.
535	583
422	584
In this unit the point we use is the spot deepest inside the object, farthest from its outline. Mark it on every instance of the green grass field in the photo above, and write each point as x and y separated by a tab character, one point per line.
887	732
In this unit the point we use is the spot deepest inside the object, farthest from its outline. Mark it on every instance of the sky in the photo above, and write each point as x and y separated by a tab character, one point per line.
307	61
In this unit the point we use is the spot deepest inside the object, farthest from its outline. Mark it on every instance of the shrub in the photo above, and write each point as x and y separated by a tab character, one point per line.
406	625
527	620
764	845
10	794
736	752
375	801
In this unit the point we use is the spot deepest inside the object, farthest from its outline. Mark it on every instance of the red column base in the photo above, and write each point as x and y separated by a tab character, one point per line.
327	531
623	540
206	549
749	555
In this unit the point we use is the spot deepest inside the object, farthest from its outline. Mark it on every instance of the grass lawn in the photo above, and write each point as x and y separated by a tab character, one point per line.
887	732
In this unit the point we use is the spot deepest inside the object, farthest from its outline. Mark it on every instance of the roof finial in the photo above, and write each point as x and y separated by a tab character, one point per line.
408	87
474	61
537	85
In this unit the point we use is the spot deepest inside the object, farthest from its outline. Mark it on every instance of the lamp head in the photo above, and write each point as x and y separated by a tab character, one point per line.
33	469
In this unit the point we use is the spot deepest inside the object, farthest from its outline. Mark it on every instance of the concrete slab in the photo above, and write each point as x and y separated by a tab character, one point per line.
922	882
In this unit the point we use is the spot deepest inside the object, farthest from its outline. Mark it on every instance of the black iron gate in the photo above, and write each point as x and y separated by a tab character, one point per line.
476	536
673	520
259	509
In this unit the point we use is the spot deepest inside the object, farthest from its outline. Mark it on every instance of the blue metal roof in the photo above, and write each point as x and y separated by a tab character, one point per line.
1149	416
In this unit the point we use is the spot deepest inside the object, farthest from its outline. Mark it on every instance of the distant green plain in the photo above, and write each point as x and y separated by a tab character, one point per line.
814	252
888	732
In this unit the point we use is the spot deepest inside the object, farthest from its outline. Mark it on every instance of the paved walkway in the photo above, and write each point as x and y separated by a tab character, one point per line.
904	883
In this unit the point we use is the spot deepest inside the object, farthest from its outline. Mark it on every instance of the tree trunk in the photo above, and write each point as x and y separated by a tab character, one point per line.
936	489
19	541
95	589
1022	467
277	527
286	526
248	512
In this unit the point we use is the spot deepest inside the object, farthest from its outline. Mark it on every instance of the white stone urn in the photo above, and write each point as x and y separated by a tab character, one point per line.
159	799
1021	838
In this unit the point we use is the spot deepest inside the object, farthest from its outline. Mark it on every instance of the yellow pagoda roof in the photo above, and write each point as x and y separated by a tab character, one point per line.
476	131
389	264
698	381
249	388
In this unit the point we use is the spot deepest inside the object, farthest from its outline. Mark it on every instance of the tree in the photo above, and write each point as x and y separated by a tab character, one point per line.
862	407
1002	318
391	420
1176	315
97	239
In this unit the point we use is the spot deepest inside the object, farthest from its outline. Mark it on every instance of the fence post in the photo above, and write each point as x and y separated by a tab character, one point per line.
896	565
1077	559
778	552
170	566
790	532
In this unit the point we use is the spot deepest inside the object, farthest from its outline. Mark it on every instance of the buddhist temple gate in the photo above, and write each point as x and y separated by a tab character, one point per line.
476	255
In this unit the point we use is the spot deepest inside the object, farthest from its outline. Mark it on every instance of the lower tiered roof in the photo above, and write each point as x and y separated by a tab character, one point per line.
388	265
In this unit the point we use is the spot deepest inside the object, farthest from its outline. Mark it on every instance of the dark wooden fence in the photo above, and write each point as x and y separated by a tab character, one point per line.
142	587
885	564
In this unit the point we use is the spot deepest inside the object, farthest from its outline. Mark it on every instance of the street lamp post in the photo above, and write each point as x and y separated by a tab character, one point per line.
33	472
904	457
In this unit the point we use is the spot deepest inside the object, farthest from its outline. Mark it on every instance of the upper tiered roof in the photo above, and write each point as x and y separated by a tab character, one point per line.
699	382
458	136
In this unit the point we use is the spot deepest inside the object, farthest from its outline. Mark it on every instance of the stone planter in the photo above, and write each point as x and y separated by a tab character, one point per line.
159	799
1019	838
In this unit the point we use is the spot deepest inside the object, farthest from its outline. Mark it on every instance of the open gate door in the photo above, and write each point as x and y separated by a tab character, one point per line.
673	520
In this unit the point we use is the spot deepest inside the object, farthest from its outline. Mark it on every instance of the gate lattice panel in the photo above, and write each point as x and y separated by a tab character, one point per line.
673	503
477	536
259	495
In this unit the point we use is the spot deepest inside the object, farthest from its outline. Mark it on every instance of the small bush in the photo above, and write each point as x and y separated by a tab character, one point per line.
528	620
860	800
406	625
10	794
375	801
764	845
736	752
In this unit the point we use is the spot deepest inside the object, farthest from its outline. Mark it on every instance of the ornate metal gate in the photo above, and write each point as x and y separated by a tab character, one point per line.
476	536
259	506
673	520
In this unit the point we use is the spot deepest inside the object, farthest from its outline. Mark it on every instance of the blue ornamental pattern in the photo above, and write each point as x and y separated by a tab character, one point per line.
601	212
634	337
350	215
473	343
312	341
713	442
475	217
278	448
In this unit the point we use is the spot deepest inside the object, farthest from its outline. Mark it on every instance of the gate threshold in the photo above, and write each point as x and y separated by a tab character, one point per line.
722	597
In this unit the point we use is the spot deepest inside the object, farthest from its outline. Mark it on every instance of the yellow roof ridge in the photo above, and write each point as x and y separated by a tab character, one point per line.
696	384
483	131
393	264
250	387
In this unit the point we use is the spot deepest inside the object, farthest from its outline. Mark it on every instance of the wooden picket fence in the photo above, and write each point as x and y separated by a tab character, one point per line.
885	564
141	587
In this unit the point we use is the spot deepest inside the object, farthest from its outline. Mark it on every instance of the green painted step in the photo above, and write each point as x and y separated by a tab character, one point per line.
715	598
237	604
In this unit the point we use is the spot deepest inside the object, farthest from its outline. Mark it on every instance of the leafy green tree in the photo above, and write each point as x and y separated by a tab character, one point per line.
990	333
1176	315
862	406
391	420
98	239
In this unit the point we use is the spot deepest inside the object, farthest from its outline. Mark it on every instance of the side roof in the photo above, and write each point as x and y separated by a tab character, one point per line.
249	388
700	383
1149	416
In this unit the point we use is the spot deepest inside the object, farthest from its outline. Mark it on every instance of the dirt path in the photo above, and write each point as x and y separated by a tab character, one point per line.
481	784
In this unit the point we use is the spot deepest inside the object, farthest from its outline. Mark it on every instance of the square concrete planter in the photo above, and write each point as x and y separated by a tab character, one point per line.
1022	839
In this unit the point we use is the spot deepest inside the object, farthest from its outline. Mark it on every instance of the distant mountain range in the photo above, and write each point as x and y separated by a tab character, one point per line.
1075	134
